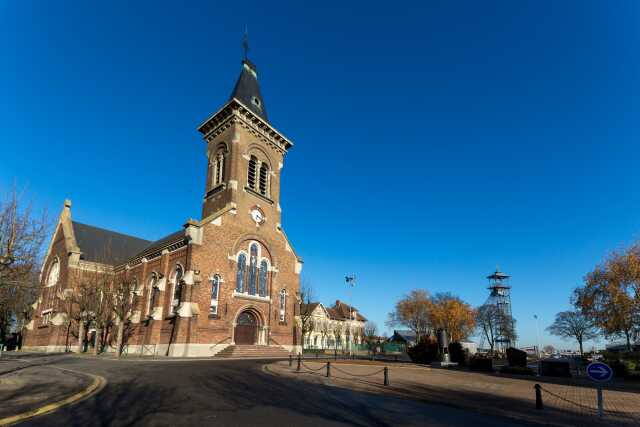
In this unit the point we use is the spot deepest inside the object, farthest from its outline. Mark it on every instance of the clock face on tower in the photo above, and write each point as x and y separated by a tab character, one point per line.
257	215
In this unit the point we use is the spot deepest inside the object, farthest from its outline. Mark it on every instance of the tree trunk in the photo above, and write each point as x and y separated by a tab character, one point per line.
580	344
97	341
119	339
628	336
81	336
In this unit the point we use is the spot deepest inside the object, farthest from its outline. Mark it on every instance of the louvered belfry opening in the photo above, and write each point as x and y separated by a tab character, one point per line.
264	179
251	174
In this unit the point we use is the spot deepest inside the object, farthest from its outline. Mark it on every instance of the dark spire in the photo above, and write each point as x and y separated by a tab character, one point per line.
247	90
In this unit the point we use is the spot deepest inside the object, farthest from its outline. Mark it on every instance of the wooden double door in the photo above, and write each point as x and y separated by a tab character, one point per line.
246	330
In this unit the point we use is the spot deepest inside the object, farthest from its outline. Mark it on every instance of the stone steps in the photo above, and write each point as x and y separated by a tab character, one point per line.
254	351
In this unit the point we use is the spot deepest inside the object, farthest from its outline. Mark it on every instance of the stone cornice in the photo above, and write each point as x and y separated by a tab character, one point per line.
234	112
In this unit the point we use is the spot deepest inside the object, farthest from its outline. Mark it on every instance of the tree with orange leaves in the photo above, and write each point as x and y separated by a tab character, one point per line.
452	314
610	295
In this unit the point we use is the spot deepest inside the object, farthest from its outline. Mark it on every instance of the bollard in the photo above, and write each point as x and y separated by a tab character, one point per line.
335	355
316	354
299	362
386	376
328	369
290	360
600	405
538	396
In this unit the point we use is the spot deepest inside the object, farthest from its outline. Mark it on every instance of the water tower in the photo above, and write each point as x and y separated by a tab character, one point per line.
500	297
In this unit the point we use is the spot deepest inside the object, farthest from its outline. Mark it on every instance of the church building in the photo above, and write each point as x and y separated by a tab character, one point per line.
227	284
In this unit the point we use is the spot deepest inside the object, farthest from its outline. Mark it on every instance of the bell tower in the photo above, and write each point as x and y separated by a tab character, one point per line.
245	155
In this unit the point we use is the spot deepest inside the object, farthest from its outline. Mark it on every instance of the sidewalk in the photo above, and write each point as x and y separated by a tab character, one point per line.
565	404
28	386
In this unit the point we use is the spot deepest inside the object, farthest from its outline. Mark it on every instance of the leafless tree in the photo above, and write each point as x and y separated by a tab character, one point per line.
123	294
575	325
371	336
305	298
21	237
489	320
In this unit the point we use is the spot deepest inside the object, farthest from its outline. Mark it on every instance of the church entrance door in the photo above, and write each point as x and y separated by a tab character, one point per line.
246	331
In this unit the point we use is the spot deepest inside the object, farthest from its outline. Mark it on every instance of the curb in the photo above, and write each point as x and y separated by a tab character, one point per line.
96	386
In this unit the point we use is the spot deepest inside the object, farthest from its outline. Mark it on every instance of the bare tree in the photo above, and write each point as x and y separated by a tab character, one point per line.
491	321
21	238
124	300
549	349
573	324
305	300
337	330
371	336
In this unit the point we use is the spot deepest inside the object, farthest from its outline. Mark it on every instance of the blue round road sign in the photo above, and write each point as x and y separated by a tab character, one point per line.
599	371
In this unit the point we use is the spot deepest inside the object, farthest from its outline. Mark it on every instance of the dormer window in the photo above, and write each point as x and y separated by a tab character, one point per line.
256	101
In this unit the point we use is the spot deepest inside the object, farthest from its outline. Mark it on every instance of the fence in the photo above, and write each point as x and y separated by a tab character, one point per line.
327	367
609	407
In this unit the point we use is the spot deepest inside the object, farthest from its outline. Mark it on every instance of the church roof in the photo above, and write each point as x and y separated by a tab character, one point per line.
247	90
106	246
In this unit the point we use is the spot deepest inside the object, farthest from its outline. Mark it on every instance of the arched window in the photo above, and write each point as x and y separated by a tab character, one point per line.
252	172
253	268
264	180
177	286
153	293
262	282
134	292
54	273
218	168
283	304
215	290
242	266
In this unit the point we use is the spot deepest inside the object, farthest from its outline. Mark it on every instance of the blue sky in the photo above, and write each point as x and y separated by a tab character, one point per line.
433	140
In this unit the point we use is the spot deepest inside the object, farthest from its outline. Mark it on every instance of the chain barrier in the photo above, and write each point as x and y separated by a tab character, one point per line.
312	369
358	375
564	399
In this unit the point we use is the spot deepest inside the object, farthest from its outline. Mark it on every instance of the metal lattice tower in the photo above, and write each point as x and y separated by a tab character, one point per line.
500	296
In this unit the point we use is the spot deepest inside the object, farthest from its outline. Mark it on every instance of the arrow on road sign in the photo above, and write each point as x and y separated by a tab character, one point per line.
598	371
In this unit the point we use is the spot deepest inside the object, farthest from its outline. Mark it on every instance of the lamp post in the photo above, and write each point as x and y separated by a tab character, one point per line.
535	316
351	282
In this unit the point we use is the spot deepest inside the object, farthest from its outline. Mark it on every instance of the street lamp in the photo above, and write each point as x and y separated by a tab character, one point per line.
535	316
351	282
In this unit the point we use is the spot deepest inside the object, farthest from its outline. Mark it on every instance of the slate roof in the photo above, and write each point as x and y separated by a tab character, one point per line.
247	90
106	246
404	335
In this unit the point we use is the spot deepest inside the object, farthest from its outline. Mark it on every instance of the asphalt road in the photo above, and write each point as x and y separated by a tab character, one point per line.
235	393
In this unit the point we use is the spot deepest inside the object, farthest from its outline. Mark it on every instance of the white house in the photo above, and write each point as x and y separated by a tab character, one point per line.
337	327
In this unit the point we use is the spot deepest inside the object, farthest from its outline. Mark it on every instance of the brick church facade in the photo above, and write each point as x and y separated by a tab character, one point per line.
229	279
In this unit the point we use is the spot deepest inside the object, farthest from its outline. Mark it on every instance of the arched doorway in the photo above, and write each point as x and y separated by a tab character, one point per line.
246	330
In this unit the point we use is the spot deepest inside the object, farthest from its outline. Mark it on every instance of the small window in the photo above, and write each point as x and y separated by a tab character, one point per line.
218	168
283	305
177	286
153	293
215	290
256	101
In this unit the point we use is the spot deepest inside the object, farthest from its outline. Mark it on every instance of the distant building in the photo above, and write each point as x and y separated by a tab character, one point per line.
405	337
337	327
